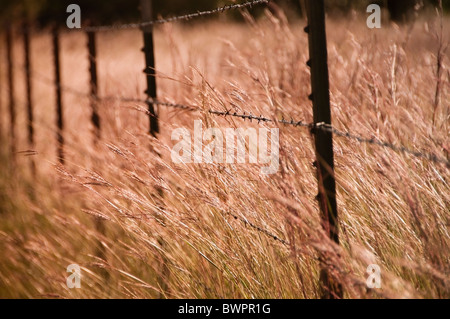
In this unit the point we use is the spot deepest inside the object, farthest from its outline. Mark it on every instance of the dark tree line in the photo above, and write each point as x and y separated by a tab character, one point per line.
401	9
47	12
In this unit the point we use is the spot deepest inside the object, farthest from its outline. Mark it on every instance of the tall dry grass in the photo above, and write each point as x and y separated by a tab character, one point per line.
141	226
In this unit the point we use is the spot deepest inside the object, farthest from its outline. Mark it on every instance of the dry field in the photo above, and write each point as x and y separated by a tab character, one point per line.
141	226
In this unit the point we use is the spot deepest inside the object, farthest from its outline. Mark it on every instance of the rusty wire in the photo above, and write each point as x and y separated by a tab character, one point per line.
312	126
259	229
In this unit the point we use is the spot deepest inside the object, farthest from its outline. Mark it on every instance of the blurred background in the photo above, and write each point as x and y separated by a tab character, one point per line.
46	12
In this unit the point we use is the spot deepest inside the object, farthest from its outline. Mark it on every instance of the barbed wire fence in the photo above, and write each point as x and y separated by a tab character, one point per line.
316	128
254	118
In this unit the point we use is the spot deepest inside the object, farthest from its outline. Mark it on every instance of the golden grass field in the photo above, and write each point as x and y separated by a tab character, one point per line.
141	226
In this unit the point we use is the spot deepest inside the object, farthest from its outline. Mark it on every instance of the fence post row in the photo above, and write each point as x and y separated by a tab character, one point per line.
12	111
147	15
323	139
59	108
95	118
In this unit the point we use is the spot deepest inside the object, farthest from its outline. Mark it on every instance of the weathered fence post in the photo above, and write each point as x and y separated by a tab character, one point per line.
95	118
323	139
12	107
1	100
26	46
150	72
59	108
147	15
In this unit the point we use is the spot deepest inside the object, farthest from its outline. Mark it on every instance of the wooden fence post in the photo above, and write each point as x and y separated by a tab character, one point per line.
323	139
59	108
26	46
150	72
95	118
147	15
12	107
1	96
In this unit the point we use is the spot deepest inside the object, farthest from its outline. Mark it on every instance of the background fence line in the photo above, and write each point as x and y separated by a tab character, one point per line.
257	119
321	128
251	117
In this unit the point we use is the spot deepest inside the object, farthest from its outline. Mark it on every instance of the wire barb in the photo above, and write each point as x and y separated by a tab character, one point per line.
259	229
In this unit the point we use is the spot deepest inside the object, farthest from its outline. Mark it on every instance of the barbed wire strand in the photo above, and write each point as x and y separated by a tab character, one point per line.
185	17
259	229
317	126
313	127
401	149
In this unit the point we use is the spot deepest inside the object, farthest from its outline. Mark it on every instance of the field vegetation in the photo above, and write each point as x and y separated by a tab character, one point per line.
141	226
